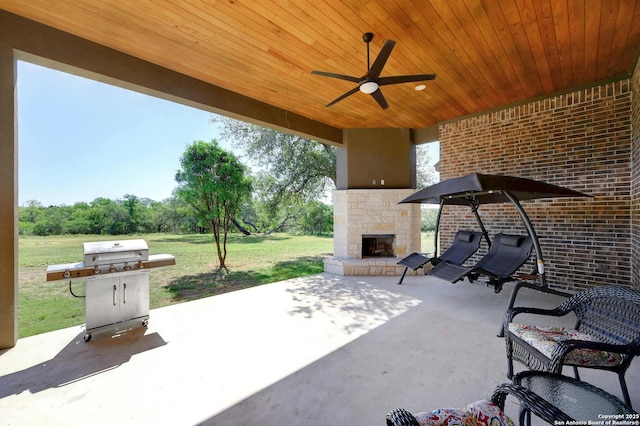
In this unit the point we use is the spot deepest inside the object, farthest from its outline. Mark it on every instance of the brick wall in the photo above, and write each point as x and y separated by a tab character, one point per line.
635	178
580	140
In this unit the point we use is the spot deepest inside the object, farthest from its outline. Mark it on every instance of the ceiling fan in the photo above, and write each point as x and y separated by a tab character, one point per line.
370	82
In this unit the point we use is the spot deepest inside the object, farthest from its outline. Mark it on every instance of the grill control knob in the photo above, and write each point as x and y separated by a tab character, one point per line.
140	265
66	274
112	268
127	267
96	270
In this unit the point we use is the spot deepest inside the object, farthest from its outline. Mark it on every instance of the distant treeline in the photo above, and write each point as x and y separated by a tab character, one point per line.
132	215
104	216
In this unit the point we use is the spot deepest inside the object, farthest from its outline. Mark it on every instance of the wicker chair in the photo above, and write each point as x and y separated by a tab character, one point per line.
606	336
483	412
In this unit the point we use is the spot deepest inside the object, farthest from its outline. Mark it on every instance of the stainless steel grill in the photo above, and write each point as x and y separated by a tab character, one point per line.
116	278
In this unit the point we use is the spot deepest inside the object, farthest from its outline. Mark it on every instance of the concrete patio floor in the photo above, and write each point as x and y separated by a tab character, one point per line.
318	350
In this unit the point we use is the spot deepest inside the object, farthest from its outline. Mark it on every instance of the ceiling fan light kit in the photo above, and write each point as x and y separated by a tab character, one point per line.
370	82
369	87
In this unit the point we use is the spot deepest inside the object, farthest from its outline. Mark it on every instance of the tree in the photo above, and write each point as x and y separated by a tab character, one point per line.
80	221
51	222
292	171
317	218
213	183
425	173
28	215
138	217
159	216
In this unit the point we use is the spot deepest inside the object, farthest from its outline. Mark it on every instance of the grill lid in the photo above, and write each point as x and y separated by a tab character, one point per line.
105	252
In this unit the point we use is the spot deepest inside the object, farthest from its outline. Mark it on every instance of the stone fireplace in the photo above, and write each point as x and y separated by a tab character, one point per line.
372	232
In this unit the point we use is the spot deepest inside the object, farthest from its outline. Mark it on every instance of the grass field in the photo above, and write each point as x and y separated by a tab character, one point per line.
252	260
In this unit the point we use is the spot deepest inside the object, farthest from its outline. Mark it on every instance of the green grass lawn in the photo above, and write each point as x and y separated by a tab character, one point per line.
252	260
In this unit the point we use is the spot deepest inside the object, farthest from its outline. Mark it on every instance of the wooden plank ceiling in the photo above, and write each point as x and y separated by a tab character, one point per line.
486	53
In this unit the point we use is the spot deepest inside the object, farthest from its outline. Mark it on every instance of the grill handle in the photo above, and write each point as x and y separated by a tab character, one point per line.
115	289
124	293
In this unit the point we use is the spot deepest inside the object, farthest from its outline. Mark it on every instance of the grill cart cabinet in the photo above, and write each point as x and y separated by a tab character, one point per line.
116	278
116	300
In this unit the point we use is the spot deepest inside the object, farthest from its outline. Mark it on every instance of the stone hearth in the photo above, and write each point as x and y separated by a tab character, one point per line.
359	212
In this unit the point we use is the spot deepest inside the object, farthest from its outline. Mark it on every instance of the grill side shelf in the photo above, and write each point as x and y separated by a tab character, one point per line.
159	260
79	270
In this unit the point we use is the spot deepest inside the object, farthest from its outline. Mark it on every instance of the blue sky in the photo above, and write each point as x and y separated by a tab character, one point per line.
80	139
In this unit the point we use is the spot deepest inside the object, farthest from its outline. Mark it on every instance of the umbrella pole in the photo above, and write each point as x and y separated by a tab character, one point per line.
435	237
532	234
539	259
474	208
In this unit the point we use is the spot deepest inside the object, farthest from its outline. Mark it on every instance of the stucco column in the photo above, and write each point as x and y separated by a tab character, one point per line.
376	159
8	200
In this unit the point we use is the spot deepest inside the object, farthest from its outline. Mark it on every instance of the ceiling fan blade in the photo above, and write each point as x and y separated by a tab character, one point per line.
379	97
349	93
383	81
378	64
338	76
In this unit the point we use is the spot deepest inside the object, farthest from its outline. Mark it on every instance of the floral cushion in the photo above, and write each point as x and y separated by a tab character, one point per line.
546	338
478	413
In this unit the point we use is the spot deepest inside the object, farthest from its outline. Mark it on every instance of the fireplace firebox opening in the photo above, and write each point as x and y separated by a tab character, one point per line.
378	245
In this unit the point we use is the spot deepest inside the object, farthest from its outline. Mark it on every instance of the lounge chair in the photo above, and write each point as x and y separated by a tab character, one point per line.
506	255
465	243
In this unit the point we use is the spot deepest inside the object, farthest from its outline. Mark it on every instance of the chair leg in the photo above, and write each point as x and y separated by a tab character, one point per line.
575	373
524	416
625	391
509	347
403	274
509	367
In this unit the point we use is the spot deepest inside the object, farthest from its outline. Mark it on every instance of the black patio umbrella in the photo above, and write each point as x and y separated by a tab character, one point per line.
487	189
476	189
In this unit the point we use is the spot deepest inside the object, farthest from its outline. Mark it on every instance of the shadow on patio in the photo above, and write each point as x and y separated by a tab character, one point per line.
319	350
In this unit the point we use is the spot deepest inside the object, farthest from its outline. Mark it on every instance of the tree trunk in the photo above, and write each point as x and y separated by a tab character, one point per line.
215	226
240	228
281	225
251	224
